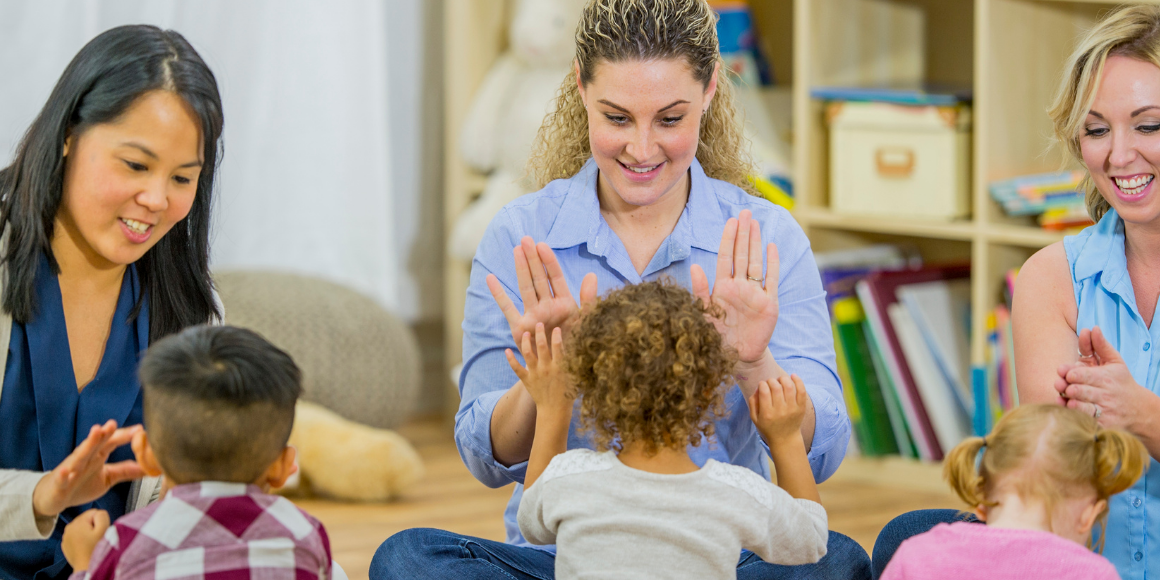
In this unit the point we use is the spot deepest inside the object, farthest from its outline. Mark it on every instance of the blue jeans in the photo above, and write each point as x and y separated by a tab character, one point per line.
427	553
909	525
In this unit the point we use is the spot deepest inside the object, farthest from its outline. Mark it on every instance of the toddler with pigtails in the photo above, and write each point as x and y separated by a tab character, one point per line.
650	373
1039	481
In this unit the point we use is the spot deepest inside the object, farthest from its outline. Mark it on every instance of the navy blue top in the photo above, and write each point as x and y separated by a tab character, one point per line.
43	417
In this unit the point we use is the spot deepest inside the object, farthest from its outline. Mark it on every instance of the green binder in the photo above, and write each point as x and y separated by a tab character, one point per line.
878	438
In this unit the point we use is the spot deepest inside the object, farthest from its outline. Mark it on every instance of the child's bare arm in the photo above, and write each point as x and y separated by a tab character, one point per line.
778	407
548	385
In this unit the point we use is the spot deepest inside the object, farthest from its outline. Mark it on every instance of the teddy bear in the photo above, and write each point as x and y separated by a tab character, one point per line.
509	107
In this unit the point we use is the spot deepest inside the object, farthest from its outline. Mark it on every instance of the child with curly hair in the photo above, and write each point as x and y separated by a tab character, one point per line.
1040	481
650	372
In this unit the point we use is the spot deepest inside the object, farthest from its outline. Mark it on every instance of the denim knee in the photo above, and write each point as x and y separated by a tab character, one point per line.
409	552
846	558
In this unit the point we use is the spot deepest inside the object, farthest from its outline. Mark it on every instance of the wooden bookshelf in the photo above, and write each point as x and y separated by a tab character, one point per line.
1011	52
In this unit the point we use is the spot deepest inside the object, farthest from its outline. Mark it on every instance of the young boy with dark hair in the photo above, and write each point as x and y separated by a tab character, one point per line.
218	407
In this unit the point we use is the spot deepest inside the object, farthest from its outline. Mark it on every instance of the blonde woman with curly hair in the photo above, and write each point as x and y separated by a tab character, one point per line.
1083	312
649	370
643	173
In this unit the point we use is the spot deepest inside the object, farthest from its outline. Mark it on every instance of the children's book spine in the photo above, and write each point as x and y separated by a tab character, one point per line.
848	317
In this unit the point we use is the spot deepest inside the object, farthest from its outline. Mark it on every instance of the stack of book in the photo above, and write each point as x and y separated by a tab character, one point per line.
903	343
994	383
1055	197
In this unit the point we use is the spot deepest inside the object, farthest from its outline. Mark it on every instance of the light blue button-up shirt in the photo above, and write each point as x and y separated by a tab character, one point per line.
1104	295
566	215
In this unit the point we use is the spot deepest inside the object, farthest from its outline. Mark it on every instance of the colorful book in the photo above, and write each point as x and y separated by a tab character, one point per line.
950	424
903	439
877	436
861	430
877	292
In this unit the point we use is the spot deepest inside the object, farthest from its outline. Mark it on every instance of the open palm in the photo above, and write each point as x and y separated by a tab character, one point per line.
544	292
748	301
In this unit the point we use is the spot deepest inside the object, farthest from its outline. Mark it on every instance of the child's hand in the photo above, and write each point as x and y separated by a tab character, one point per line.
545	381
778	407
81	536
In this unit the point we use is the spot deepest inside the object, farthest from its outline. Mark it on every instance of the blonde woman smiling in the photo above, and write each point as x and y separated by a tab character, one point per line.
643	171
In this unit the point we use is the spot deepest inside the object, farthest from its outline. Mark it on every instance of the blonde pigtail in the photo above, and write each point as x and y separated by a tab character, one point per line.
1120	460
960	472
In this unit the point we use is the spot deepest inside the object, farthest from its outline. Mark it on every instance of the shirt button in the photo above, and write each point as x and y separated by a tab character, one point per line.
1138	556
1136	502
1147	345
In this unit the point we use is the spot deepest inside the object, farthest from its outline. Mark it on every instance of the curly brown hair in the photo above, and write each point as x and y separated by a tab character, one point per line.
648	366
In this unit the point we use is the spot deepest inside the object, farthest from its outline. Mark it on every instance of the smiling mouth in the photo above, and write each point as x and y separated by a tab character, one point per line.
640	169
1133	185
136	226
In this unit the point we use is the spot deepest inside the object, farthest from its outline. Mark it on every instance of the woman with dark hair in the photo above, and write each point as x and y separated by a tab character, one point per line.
104	247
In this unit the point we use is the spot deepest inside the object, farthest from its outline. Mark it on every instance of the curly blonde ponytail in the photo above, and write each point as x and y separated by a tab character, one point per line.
621	30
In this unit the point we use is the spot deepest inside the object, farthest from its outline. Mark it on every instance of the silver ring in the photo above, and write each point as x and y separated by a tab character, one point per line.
758	280
1098	412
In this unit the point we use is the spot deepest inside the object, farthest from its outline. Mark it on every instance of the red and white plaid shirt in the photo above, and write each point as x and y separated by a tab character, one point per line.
213	531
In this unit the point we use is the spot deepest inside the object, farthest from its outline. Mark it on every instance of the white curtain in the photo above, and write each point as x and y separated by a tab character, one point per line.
327	148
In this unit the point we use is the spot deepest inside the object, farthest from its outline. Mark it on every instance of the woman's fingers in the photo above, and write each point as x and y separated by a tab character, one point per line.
1104	351
772	271
1082	406
122	471
753	267
539	277
701	283
725	252
588	290
524	278
741	246
510	312
555	274
118	438
1083	393
1086	352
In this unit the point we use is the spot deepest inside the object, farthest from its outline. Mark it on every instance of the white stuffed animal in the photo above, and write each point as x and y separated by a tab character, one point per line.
516	95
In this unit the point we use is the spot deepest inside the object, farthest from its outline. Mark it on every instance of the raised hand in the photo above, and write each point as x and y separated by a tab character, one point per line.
747	299
81	536
778	408
544	378
543	289
84	476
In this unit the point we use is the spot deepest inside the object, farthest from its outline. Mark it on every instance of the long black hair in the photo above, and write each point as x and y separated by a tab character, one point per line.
107	76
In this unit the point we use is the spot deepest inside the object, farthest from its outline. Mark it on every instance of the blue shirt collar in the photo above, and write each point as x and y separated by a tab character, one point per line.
580	221
1103	252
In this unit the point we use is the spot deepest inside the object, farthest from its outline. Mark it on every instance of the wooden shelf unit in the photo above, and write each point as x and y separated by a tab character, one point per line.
1011	52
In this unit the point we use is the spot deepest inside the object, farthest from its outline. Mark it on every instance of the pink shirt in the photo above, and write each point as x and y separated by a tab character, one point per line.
963	550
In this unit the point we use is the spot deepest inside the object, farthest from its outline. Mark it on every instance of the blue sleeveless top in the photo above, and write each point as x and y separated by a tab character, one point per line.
1105	298
43	417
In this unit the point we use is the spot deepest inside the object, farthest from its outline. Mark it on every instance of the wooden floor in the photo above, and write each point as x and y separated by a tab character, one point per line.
860	498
